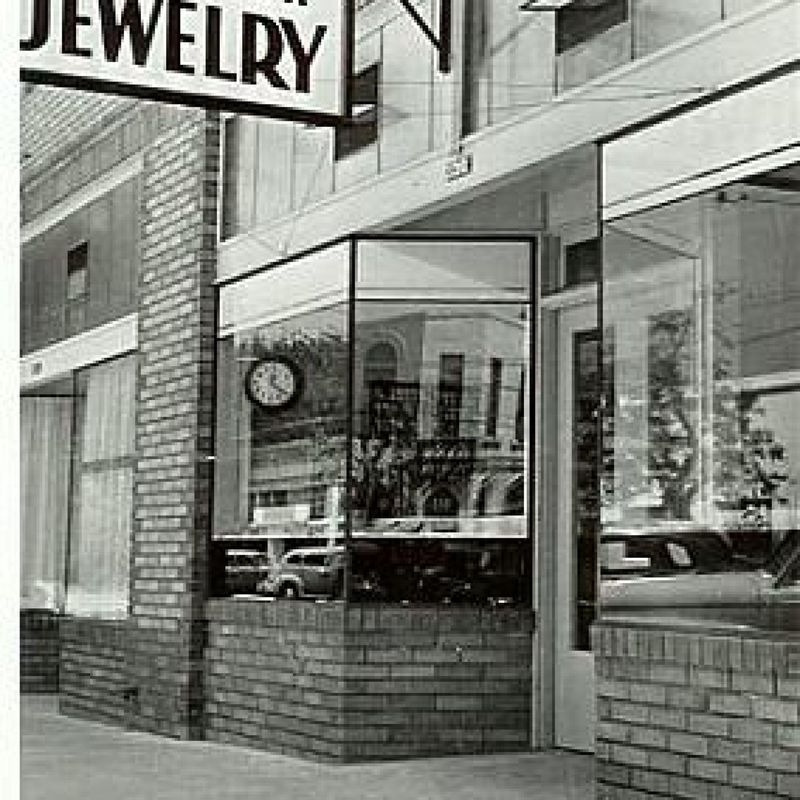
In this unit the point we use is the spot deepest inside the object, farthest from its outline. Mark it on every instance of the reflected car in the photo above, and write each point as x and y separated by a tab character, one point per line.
244	568
698	569
306	572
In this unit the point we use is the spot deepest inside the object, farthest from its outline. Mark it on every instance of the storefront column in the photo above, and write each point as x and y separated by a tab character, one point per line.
174	430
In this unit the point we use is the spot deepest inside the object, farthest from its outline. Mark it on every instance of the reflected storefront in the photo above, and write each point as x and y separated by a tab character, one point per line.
701	458
373	401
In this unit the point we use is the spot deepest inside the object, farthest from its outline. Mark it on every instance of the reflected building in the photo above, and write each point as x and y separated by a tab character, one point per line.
417	400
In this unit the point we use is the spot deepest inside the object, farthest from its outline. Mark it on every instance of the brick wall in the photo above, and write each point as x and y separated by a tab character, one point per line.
438	680
148	673
38	645
274	675
174	430
700	715
93	676
375	682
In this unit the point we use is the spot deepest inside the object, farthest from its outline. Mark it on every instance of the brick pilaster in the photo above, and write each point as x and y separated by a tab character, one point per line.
174	429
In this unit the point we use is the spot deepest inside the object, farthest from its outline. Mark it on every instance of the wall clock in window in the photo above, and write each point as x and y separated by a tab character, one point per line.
274	383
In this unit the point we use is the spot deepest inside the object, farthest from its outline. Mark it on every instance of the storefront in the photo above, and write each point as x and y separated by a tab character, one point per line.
699	556
394	371
422	368
432	490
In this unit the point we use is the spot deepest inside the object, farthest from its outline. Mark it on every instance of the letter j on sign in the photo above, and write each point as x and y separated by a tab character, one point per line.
278	58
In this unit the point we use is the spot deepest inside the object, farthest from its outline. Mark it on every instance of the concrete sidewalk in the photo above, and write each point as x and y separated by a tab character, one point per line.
68	759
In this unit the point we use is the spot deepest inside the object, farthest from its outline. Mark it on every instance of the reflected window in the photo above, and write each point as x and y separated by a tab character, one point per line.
421	459
451	387
514	502
380	363
519	417
281	465
493	400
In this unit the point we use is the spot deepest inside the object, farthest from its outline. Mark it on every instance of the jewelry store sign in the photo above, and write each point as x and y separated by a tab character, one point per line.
278	58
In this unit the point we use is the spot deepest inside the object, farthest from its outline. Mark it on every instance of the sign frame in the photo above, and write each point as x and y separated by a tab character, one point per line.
203	100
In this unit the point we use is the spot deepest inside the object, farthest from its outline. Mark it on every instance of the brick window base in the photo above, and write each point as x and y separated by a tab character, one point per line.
704	715
372	682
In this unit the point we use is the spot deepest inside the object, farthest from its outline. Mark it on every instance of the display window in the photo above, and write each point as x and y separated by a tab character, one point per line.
101	511
372	438
701	446
76	490
46	416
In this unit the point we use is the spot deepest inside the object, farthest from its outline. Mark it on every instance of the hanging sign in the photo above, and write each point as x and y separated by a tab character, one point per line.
280	58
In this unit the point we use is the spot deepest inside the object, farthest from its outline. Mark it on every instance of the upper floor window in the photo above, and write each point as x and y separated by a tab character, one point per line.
77	286
582	20
362	130
78	271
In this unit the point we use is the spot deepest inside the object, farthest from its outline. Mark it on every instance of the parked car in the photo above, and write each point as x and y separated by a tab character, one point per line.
306	572
674	569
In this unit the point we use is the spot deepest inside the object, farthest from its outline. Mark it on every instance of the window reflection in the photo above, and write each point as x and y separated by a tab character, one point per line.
701	450
424	458
399	455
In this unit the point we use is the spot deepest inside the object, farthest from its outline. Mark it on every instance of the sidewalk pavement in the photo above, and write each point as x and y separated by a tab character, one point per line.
68	759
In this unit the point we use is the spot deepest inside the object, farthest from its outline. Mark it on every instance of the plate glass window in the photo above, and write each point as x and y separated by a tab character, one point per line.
385	449
701	461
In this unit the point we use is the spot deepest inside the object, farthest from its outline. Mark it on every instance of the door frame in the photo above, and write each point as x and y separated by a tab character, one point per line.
546	519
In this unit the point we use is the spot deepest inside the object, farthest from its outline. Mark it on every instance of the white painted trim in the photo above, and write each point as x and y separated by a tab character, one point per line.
698	185
117	175
575	717
567	298
703	148
246	323
98	344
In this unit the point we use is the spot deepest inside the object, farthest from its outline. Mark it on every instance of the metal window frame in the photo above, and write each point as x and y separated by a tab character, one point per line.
353	240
